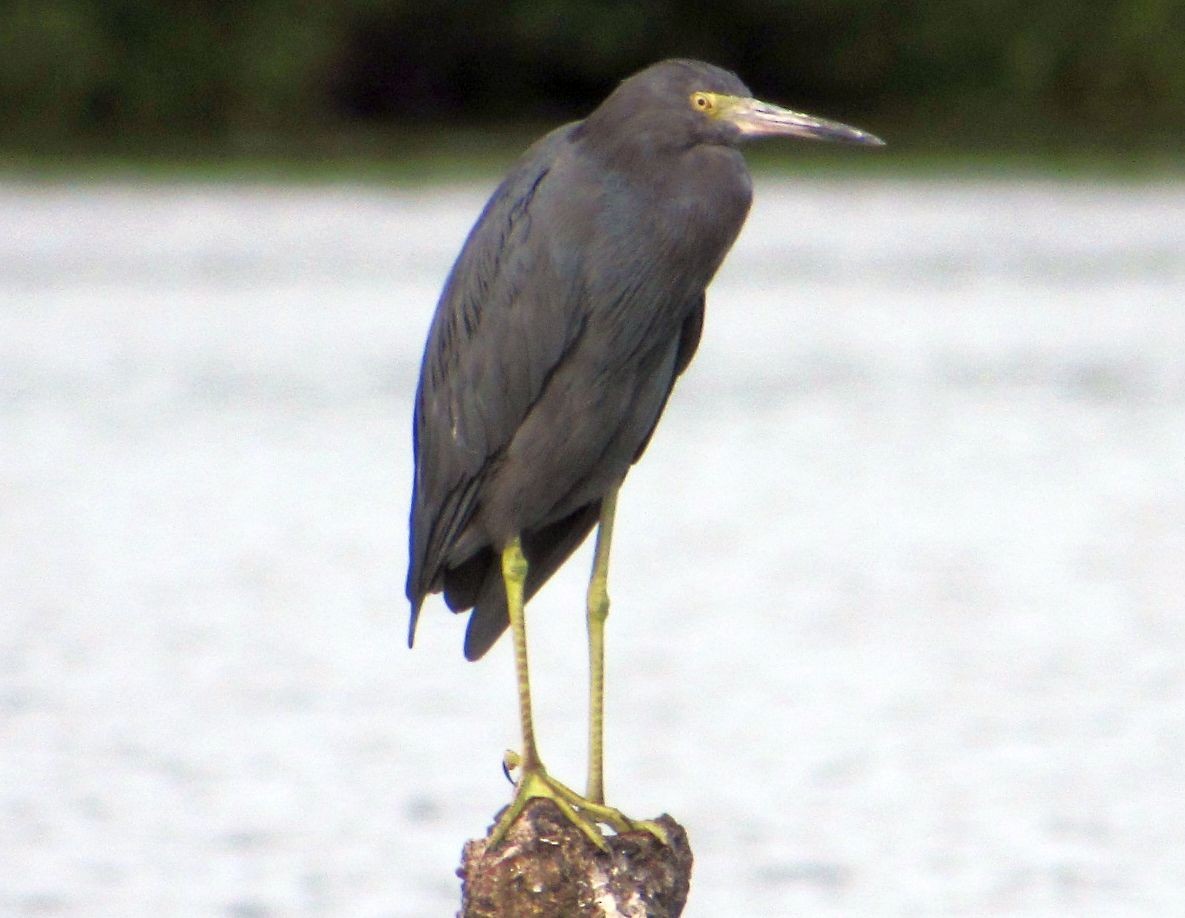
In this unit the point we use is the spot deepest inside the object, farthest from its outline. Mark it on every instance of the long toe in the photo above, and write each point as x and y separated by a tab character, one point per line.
583	813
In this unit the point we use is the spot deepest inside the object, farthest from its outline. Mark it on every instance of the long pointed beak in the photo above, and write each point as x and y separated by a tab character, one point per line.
760	119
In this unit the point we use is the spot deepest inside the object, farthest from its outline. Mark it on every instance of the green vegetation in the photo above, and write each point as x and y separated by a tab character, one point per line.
387	85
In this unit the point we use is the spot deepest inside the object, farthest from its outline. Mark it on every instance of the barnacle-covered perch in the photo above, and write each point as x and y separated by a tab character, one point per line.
546	867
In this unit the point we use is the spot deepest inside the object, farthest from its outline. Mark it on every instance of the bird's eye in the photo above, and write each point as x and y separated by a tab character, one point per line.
703	102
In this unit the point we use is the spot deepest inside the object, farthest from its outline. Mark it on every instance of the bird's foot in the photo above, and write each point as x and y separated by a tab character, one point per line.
583	813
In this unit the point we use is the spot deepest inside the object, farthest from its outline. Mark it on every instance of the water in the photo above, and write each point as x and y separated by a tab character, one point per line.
899	620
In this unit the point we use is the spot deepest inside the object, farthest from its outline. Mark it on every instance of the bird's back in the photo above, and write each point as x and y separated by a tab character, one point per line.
455	432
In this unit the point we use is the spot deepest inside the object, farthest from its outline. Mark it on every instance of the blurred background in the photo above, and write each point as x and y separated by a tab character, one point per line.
356	77
899	597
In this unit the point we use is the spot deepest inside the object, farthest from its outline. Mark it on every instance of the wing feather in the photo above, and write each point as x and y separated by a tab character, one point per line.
495	339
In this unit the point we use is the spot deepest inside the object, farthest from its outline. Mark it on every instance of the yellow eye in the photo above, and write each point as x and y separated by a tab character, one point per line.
703	102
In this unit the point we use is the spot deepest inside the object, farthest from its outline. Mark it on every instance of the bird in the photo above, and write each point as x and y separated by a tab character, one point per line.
575	304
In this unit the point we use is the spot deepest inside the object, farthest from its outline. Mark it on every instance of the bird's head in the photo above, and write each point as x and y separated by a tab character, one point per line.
690	102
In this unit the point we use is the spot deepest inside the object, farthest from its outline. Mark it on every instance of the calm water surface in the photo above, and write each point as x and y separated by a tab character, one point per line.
899	590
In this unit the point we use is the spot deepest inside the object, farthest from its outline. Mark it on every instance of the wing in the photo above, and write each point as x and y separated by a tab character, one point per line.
689	335
498	332
481	585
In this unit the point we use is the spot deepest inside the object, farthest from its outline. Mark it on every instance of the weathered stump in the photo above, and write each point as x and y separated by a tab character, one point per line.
546	868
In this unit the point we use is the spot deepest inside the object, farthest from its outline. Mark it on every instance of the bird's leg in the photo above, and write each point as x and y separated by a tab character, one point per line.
514	574
598	611
535	781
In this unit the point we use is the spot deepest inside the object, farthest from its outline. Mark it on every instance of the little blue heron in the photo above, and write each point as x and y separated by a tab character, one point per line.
575	303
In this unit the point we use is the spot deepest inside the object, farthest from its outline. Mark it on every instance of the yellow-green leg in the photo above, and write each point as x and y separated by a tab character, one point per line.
598	611
534	782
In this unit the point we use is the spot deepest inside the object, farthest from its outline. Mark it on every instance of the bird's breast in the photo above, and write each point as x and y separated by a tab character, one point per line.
636	244
690	216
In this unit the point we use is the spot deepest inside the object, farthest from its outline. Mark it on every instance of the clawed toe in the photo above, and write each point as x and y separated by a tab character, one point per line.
585	814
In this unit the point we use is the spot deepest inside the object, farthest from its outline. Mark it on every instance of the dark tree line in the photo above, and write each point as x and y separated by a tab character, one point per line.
224	70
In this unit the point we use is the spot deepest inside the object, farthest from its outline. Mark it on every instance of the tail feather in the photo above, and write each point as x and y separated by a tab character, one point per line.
546	550
415	617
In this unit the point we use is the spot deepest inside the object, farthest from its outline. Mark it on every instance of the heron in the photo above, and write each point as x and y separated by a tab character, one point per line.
576	302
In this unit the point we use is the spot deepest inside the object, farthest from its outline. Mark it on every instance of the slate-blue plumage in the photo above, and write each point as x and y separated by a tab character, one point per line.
576	302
